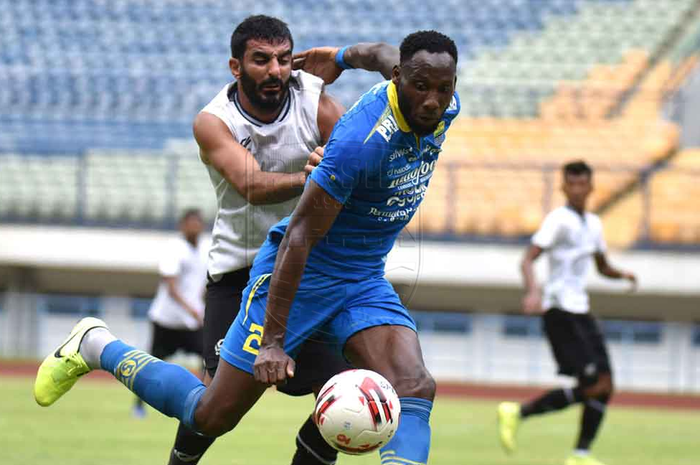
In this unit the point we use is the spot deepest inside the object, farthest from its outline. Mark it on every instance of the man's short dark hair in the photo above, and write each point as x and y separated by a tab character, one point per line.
259	27
576	168
189	213
431	41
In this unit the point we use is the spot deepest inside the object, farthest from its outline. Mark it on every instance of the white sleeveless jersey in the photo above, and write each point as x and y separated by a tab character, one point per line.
570	240
281	146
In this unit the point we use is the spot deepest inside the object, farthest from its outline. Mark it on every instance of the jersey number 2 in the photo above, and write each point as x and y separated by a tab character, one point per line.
256	338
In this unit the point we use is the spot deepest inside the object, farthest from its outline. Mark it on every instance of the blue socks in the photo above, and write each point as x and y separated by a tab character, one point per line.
168	388
411	443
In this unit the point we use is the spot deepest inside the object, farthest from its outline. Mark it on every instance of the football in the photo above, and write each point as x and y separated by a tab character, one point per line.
357	411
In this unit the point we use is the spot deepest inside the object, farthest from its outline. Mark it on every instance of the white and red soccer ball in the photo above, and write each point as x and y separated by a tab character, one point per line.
357	411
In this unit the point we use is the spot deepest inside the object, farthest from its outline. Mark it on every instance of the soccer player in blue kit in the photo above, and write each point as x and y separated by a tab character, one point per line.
320	272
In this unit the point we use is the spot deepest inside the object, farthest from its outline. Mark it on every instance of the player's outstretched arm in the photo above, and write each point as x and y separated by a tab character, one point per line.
329	62
238	166
532	301
311	220
604	268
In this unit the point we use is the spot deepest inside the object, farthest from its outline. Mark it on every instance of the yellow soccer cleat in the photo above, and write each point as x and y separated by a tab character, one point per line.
579	459
508	422
61	369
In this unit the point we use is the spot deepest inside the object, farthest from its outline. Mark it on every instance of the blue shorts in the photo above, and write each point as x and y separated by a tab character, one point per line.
324	308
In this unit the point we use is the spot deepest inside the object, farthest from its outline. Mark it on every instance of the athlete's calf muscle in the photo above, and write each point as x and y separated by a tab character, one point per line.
228	398
395	353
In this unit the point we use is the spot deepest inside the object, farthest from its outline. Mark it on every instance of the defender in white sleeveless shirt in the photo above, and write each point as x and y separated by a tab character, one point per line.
571	237
280	146
260	138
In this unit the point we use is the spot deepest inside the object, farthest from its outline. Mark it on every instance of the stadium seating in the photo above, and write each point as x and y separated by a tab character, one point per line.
673	200
106	89
570	91
133	74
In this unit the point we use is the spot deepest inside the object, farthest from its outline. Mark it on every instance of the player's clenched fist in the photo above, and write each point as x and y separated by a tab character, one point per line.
273	365
314	160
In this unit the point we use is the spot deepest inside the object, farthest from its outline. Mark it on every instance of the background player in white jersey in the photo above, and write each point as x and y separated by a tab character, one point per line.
257	139
177	311
570	236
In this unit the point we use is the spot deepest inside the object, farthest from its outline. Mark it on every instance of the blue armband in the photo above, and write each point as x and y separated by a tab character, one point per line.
339	58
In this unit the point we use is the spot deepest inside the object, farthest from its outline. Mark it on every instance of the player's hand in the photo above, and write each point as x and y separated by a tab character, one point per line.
633	281
319	61
532	303
273	366
314	160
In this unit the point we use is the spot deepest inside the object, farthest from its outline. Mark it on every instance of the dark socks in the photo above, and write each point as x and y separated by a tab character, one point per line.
312	449
591	418
556	399
189	447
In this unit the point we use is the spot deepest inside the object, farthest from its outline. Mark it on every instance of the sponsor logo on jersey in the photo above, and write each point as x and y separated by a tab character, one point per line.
440	129
398	171
400	153
391	216
387	127
439	134
416	176
453	104
408	196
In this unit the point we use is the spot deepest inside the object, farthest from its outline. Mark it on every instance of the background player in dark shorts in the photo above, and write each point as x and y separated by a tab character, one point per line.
571	236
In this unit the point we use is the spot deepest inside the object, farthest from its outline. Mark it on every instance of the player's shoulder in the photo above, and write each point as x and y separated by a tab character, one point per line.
361	121
593	219
558	215
177	243
304	82
220	100
453	108
174	248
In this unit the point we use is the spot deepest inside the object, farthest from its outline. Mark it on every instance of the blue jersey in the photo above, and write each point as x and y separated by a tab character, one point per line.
379	170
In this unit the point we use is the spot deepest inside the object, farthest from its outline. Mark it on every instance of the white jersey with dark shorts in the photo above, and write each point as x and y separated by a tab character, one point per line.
570	240
240	228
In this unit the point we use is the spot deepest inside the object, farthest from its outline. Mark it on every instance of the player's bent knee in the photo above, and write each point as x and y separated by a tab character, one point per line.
603	388
421	385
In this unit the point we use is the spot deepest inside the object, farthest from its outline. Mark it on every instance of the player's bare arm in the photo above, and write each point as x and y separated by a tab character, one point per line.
605	269
171	282
329	112
238	166
311	221
532	301
321	61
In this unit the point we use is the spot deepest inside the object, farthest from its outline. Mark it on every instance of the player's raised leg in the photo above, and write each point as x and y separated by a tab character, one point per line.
395	353
169	388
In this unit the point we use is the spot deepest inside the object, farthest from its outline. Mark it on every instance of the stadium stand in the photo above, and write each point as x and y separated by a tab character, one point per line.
673	197
100	97
555	95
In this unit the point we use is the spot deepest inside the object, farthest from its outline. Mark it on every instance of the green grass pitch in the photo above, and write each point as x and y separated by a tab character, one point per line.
92	425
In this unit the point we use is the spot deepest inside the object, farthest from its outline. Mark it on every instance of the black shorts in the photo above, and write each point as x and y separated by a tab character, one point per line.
577	344
315	364
166	341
